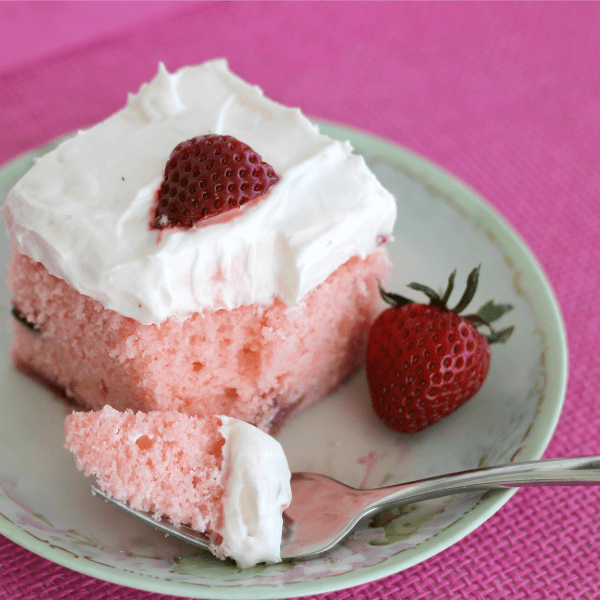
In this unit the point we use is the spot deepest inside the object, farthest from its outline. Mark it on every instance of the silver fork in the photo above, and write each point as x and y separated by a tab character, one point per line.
324	511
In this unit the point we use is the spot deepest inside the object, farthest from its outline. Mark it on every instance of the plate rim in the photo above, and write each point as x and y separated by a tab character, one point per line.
479	210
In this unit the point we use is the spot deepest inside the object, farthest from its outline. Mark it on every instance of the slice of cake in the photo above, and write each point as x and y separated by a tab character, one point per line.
218	475
254	314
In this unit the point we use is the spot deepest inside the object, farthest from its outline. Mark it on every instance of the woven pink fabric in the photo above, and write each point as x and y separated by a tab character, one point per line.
504	95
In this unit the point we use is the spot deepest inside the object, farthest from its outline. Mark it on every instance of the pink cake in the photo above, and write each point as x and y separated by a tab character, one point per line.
260	364
255	316
216	474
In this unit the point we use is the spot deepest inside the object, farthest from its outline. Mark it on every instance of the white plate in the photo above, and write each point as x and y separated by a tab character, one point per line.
46	505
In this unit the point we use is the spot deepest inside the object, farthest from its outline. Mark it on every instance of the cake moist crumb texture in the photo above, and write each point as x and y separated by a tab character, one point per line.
219	475
162	463
261	364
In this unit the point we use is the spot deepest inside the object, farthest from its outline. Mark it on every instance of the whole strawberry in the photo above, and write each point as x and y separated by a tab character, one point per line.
425	360
207	176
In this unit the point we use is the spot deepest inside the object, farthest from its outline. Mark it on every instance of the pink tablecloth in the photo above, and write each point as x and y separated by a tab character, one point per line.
506	96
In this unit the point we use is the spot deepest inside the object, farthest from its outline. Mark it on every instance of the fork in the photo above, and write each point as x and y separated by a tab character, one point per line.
324	511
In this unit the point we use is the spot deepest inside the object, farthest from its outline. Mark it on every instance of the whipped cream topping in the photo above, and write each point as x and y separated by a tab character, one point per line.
83	209
256	494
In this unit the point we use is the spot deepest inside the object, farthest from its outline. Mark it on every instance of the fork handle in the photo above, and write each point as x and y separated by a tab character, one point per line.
554	471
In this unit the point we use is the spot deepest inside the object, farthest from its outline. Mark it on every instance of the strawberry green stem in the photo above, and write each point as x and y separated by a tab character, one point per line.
484	316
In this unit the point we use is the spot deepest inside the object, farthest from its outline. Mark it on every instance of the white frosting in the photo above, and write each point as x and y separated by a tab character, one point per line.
256	494
83	210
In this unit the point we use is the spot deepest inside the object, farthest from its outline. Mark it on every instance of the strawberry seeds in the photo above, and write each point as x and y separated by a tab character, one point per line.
208	176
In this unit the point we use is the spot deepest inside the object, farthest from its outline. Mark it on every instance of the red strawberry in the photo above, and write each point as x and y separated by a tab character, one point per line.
424	360
208	176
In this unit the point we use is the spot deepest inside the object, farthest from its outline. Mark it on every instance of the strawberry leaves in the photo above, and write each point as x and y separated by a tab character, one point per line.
487	314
